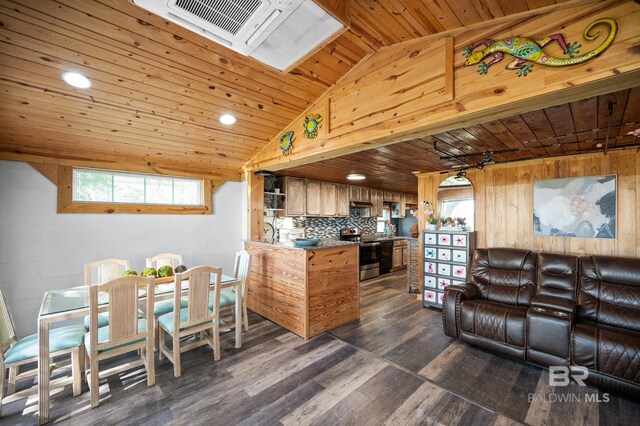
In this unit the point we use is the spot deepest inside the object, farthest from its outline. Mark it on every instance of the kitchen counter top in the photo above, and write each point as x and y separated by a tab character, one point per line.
323	244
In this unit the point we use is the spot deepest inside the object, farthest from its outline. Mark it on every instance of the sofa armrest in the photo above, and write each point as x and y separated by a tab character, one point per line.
468	291
553	303
453	295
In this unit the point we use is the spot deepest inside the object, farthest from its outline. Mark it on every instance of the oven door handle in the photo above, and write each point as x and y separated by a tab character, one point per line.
370	244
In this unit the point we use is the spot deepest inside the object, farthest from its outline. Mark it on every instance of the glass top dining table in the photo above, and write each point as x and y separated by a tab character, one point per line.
75	298
68	303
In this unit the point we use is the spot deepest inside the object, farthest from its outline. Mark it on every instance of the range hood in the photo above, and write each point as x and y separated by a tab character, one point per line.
360	204
278	33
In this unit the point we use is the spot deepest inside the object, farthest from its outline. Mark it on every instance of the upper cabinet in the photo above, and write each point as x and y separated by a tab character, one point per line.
329	199
295	191
342	208
354	193
314	198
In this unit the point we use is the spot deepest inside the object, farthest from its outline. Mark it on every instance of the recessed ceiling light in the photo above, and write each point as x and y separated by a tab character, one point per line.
76	80
416	172
227	119
356	176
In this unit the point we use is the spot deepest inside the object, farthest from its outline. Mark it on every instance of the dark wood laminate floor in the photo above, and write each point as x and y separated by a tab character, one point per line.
392	367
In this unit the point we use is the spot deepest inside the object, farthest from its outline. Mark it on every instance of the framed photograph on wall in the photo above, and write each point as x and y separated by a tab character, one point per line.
582	207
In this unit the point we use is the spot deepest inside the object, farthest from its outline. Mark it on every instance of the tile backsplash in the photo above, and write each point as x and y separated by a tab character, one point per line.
329	227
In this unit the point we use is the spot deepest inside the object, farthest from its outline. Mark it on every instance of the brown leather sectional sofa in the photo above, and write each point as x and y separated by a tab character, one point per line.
553	309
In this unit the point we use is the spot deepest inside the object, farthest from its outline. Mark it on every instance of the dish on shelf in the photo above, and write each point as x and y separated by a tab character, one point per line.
306	242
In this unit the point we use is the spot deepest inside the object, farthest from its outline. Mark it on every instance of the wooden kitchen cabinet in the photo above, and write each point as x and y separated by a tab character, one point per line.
295	193
405	254
387	196
397	257
376	200
329	199
342	200
314	198
354	193
365	194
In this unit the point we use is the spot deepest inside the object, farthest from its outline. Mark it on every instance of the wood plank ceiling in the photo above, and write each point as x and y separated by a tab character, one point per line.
159	89
571	128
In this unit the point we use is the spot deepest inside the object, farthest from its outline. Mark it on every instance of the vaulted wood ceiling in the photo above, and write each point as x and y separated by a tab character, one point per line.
159	89
561	130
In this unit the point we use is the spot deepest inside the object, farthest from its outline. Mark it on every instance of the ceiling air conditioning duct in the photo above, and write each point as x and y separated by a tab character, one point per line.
278	33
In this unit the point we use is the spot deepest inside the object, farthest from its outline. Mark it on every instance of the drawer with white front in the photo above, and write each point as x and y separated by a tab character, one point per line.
444	239
444	254
430	281
459	256
430	238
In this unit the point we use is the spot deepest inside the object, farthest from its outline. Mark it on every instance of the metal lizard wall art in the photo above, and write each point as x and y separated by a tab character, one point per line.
524	49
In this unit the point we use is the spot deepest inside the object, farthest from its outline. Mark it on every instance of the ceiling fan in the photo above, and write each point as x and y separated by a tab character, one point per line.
487	158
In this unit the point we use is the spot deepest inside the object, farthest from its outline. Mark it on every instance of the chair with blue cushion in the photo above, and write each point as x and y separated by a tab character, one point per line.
125	332
196	319
99	272
228	295
15	353
164	306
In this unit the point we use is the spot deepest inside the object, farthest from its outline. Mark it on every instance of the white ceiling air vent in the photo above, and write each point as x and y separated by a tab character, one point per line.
275	32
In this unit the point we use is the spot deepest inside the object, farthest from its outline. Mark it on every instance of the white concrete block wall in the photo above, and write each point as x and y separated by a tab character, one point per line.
41	250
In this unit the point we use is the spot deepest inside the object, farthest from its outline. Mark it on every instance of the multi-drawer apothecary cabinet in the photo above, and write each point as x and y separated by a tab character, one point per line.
445	261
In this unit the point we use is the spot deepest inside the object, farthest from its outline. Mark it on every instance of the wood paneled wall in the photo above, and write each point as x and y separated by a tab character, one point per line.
504	202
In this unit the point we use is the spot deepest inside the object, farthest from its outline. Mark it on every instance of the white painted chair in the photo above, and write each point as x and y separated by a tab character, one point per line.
99	272
15	352
125	332
228	295
196	319
163	259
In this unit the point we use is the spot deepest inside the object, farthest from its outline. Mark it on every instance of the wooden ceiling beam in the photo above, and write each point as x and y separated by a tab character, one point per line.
123	164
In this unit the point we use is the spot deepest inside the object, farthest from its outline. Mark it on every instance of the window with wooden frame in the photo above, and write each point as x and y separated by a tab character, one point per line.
82	190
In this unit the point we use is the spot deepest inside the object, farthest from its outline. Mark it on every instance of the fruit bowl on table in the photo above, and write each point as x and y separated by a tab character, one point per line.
306	242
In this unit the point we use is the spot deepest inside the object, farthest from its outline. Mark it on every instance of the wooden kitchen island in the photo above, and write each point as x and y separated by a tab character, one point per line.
305	290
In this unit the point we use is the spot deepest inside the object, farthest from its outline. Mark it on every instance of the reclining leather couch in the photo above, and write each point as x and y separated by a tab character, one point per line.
553	309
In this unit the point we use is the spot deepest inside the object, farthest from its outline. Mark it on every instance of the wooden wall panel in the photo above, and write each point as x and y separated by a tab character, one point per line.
504	202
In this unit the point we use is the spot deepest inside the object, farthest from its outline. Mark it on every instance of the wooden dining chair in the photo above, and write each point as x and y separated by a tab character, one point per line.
15	352
162	307
228	295
99	272
196	319
125	332
162	259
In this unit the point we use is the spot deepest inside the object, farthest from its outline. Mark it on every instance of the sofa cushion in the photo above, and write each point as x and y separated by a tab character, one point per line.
608	350
609	291
505	275
494	321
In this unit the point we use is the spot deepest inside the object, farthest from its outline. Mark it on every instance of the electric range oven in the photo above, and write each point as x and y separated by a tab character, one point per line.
369	253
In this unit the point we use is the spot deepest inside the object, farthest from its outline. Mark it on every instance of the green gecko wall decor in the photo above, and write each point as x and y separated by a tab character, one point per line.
527	50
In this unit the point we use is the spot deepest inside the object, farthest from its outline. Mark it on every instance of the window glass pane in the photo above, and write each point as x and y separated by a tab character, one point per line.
159	190
187	192
459	208
90	185
114	187
128	189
